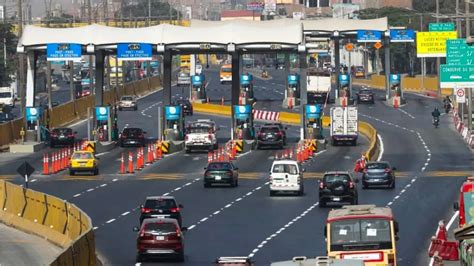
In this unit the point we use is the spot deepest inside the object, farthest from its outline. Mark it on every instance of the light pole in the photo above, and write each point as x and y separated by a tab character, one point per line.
438	59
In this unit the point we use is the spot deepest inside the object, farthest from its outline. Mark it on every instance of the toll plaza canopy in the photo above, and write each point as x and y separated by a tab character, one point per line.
238	32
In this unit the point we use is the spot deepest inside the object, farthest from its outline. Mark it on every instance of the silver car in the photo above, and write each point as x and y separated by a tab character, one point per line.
128	102
184	79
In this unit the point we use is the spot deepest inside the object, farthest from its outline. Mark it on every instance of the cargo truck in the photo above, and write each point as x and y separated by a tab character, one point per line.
344	125
318	87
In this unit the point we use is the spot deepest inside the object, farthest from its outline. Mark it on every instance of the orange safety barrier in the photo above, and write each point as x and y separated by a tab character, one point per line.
130	163
45	164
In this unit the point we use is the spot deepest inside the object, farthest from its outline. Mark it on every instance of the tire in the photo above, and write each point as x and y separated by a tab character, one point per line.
258	147
121	145
207	185
272	193
216	146
354	201
120	108
72	173
187	150
136	108
52	145
96	172
180	257
365	186
392	186
301	192
322	203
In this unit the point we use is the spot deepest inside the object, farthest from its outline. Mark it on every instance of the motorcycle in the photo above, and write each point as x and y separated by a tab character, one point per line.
436	122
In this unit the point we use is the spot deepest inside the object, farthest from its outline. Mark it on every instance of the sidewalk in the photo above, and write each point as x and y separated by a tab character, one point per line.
19	248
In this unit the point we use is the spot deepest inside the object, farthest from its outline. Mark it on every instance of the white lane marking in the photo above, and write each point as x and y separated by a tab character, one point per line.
283	228
95	228
77	195
405	112
90	189
110	221
226	206
451	221
381	147
125	213
102	153
103	185
33	180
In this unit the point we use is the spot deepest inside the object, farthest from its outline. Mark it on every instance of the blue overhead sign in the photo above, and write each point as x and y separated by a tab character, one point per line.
102	113
369	36
343	80
406	35
63	51
293	79
245	79
242	112
134	51
33	113
313	111
172	112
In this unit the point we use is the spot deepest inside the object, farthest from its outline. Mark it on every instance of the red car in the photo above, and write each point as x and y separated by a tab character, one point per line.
160	237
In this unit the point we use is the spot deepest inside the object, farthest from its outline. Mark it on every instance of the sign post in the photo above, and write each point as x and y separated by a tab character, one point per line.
25	170
460	95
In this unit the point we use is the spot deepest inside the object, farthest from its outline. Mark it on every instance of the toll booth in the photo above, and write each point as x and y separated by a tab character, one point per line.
313	122
174	123
34	123
246	85
105	123
343	93
243	122
198	90
395	85
293	89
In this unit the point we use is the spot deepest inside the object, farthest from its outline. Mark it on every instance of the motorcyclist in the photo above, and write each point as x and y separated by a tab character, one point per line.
447	104
436	114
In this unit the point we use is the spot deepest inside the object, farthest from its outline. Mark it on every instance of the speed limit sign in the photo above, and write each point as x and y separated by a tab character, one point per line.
460	96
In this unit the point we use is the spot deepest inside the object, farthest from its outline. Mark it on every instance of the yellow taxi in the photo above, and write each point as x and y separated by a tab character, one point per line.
83	161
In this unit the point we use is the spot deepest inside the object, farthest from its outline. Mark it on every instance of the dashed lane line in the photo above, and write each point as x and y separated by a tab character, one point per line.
92	189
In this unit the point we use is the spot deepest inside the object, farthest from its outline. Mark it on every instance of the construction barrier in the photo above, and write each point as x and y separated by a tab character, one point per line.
239	145
165	147
441	247
51	218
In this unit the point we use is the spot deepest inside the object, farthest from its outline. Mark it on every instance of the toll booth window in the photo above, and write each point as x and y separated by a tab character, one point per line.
360	231
285	169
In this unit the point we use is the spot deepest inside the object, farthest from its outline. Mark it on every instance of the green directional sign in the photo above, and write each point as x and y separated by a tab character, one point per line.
441	27
461	76
459	53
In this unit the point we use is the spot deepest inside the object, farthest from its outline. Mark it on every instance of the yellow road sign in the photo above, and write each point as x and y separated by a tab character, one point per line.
433	43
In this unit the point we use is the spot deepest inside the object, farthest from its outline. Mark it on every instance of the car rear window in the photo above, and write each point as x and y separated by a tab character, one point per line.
199	130
285	168
365	92
83	156
219	166
331	178
128	98
160	228
160	204
62	130
377	166
129	131
226	69
269	130
5	94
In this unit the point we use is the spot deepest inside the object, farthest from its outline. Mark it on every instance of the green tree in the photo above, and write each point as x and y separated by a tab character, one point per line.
6	31
158	10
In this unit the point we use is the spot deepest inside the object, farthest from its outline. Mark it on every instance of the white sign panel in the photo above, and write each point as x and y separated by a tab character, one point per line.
460	95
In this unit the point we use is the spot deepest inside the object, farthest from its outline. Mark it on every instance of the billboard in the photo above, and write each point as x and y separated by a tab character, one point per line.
433	43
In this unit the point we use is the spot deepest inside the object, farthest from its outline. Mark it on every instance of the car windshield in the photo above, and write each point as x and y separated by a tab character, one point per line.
160	204
285	169
269	130
359	68
83	156
160	228
219	166
132	131
331	178
377	166
5	94
5	117
183	102
360	231
62	130
127	98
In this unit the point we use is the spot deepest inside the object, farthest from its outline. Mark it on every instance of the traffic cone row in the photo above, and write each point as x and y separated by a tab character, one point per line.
284	154
303	152
58	161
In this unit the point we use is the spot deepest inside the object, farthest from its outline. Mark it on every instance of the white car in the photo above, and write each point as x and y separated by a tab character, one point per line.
201	135
128	102
7	96
286	176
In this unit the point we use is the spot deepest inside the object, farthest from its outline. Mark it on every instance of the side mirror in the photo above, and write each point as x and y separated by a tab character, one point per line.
75	132
397	238
456	206
286	128
303	170
136	229
236	168
180	206
184	229
141	206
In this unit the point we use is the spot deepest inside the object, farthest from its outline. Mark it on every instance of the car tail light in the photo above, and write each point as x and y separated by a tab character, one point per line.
174	210
186	138
229	173
260	134
387	170
365	171
279	134
207	173
142	233
141	136
351	185
391	260
321	185
209	136
71	135
145	210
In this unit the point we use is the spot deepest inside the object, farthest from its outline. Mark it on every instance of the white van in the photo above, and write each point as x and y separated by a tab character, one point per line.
7	96
286	176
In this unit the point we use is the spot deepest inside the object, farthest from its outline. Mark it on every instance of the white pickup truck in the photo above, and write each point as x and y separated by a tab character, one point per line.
7	96
201	135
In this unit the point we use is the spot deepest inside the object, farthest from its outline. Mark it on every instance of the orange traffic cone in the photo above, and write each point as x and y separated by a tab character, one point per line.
122	165
45	164
130	163
442	234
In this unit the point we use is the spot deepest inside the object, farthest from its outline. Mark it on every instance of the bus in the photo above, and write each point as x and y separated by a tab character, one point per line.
466	203
363	232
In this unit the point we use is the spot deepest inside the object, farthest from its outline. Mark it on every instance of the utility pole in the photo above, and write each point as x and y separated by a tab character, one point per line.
438	59
91	58
20	73
458	21
469	90
106	12
149	12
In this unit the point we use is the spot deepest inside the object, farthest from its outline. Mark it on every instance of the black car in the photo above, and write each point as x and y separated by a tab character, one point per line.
282	129
161	207
6	117
132	137
62	136
378	174
270	136
365	95
186	106
221	173
337	187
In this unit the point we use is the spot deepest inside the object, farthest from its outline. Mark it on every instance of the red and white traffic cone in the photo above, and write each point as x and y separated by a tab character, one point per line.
209	157
122	165
222	100
441	233
45	164
130	163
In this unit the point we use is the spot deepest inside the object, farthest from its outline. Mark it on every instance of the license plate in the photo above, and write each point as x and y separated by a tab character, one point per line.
336	199
82	164
159	216
218	177
160	238
132	141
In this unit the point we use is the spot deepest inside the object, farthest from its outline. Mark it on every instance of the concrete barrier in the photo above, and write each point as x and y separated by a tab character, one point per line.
58	221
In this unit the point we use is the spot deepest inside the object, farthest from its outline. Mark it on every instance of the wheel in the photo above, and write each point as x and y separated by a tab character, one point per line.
272	193
140	258
322	203
354	201
187	150
365	186
121	145
180	257
301	192
96	172
71	172
392	186
120	108
51	145
354	143
136	108
206	185
234	183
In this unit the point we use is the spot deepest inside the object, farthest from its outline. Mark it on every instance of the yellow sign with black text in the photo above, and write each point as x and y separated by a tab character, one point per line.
433	43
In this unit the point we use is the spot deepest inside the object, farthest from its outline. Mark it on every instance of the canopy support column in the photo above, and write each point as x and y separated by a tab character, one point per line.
337	59
167	69
303	94
99	78
30	78
387	66
235	87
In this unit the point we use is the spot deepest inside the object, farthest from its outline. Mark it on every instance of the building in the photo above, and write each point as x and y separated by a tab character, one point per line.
240	14
376	3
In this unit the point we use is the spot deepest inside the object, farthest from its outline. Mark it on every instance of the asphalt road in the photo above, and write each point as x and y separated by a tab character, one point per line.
432	163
